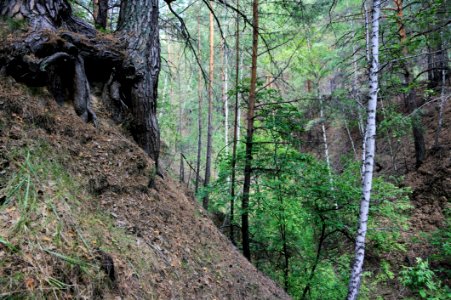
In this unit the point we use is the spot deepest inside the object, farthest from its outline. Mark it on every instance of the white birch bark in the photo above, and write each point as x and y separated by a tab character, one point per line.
370	142
443	98
239	109
324	133
326	145
350	139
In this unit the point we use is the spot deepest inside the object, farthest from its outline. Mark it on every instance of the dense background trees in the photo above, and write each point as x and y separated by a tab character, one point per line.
263	114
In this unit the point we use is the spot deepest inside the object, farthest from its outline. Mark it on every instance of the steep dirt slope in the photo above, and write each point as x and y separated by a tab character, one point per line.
73	198
431	186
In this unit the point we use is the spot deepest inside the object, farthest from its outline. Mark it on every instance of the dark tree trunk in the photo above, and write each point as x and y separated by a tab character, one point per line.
101	13
205	200
138	23
45	14
235	127
63	52
410	99
437	52
199	110
57	62
249	137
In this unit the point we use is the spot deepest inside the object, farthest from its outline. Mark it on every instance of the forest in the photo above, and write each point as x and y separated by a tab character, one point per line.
314	134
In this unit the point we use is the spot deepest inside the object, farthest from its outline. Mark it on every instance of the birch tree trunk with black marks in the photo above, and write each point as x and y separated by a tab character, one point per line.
370	142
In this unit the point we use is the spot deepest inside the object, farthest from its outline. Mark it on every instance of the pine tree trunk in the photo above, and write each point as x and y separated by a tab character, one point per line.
225	97
235	126
411	97
199	110
249	136
210	111
45	14
100	13
62	59
357	268
138	21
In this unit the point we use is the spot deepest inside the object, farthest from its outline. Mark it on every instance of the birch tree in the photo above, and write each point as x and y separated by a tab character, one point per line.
368	163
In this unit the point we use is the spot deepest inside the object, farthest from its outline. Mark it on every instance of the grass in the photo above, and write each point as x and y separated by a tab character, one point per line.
53	232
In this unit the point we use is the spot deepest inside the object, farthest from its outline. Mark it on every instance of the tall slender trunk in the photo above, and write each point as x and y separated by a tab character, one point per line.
235	126
351	140
356	274
249	137
322	237
443	90
437	50
441	107
225	98
411	97
199	110
180	128
210	110
239	108
324	133
325	144
355	92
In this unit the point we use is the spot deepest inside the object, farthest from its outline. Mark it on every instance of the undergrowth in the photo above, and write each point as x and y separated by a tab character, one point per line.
50	233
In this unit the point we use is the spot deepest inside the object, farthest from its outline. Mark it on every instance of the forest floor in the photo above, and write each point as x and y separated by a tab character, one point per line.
431	194
74	198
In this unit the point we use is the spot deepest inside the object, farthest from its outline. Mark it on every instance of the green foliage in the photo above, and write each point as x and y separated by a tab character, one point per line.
294	198
422	280
298	204
398	124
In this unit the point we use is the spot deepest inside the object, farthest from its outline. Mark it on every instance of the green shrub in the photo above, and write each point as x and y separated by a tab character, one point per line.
422	280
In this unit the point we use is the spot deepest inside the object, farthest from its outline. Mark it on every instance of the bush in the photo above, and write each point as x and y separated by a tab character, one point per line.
422	280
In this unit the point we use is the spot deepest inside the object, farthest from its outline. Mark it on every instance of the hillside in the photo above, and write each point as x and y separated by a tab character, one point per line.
75	204
427	233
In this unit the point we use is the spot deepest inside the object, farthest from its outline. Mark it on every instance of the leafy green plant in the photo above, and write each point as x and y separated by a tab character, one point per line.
421	279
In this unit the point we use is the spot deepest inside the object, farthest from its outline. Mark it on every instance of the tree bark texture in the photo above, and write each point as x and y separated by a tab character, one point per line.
370	141
205	200
199	110
235	127
45	14
249	136
225	97
64	54
138	23
45	57
101	13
